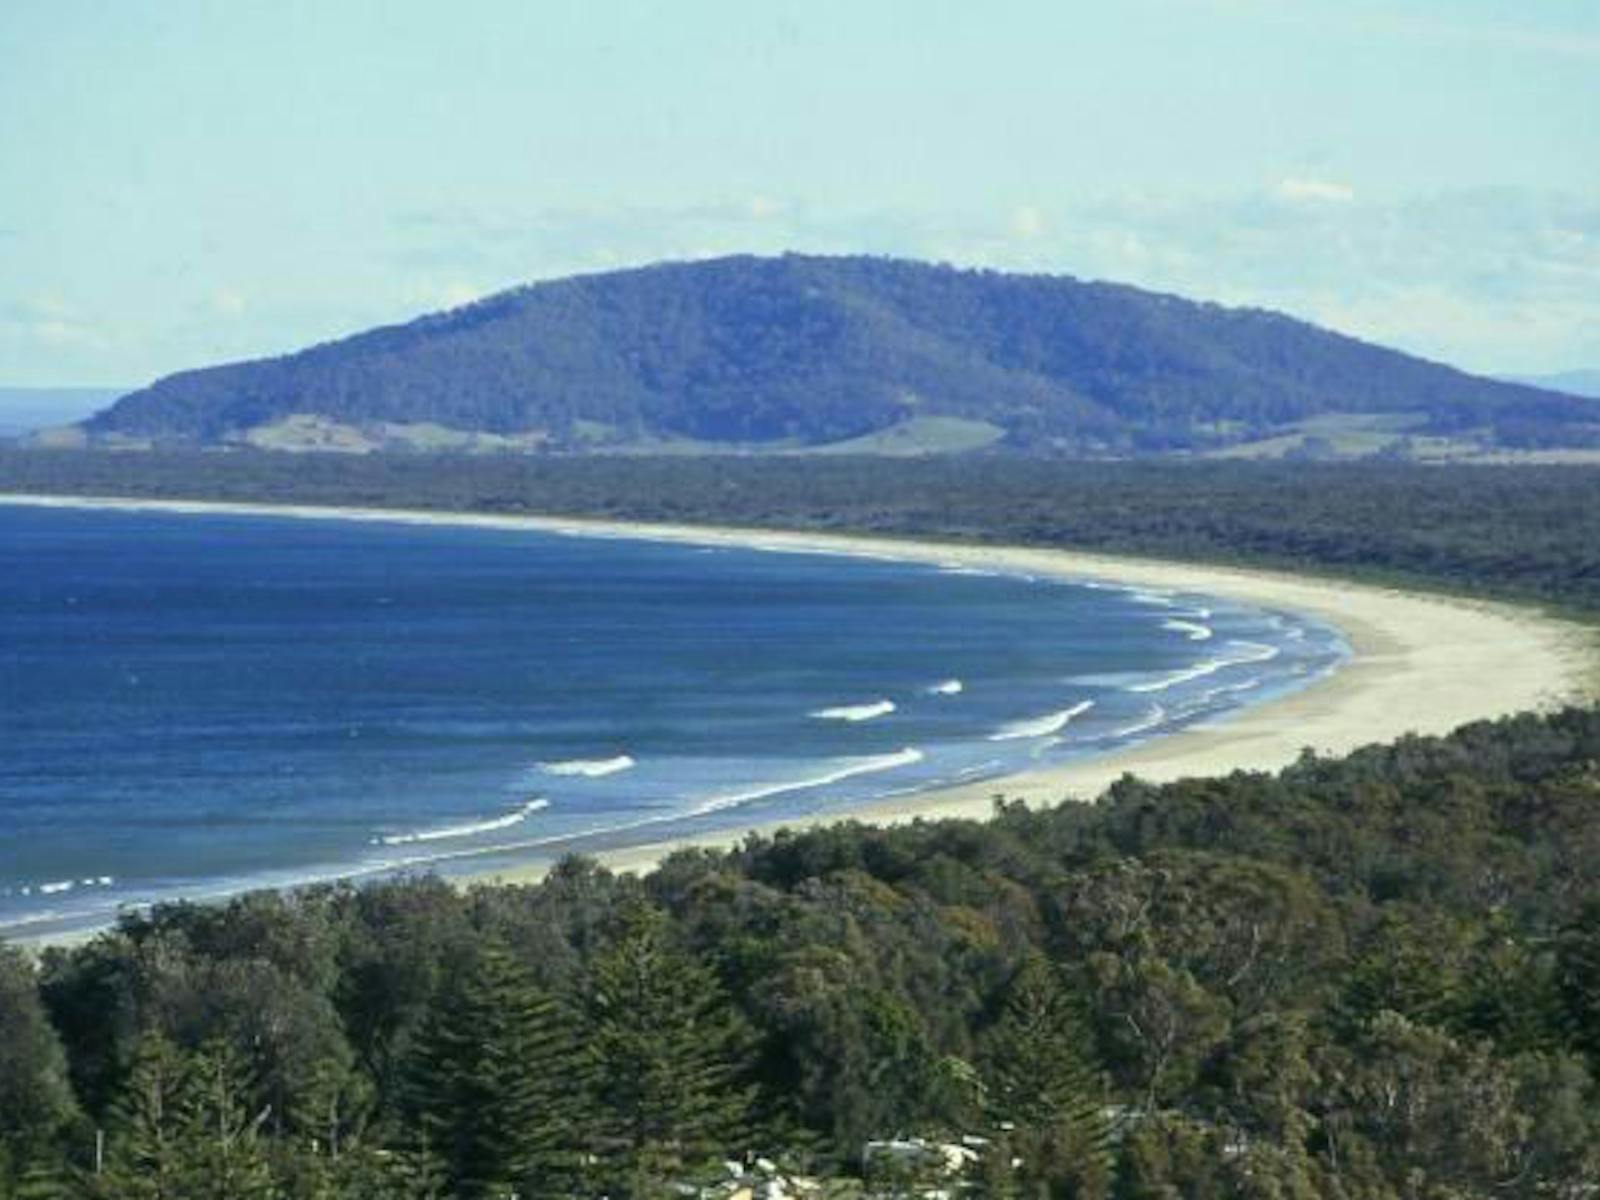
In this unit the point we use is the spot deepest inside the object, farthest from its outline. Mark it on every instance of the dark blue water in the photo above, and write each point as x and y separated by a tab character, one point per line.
190	705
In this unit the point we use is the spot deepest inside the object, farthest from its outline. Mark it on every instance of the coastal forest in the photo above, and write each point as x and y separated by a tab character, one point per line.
1371	977
1374	977
1517	532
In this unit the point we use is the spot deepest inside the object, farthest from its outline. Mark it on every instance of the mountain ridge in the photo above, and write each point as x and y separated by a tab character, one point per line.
801	352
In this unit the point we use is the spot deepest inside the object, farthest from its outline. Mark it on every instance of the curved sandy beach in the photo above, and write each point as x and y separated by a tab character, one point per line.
1421	662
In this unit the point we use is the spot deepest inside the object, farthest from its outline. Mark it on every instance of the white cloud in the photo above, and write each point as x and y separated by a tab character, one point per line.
1314	191
1027	221
227	302
1524	38
49	321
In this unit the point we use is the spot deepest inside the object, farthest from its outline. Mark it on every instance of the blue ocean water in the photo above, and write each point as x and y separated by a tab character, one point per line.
196	704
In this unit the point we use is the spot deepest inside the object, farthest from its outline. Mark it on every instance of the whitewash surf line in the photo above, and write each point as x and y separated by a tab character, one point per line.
843	770
1255	652
467	829
1045	726
590	768
856	712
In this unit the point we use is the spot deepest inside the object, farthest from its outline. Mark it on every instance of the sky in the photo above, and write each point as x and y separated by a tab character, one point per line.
184	182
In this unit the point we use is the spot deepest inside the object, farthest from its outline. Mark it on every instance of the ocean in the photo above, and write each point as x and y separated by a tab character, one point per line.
194	705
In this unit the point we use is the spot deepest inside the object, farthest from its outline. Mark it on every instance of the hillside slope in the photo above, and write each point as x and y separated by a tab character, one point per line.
795	352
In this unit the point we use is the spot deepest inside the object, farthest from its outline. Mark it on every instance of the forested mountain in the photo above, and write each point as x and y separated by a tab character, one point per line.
800	352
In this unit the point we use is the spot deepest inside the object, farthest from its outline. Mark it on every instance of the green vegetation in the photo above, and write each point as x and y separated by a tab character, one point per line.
1369	977
1516	532
798	350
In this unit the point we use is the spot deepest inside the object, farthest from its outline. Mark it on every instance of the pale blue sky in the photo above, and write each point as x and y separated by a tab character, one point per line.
183	182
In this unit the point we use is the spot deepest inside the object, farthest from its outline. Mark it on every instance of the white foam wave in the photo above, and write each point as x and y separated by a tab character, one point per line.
1228	689
1193	630
1253	652
1155	717
56	886
589	768
470	829
983	768
855	712
946	687
847	768
1035	727
1153	598
843	769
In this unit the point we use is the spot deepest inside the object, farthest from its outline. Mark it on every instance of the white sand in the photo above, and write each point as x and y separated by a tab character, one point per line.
1421	663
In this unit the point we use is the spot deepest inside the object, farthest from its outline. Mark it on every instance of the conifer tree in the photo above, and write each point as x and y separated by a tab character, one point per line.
671	1055
496	1083
184	1129
35	1098
144	1142
223	1153
1042	1092
41	1180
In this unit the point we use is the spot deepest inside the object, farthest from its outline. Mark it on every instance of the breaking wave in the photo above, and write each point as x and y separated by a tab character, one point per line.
1155	717
1035	727
855	712
847	768
470	829
56	886
1193	630
589	768
1254	652
946	687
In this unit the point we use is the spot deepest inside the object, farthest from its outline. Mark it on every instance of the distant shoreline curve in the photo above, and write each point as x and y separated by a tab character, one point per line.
1421	662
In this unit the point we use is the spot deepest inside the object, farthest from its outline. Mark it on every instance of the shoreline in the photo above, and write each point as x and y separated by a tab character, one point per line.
1420	662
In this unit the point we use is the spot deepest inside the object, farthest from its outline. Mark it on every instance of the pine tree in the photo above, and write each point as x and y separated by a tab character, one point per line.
222	1153
1042	1093
495	1083
671	1055
143	1142
41	1180
324	1128
184	1129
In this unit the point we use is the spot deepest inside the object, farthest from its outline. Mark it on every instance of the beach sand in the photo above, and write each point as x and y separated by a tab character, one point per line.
1420	662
